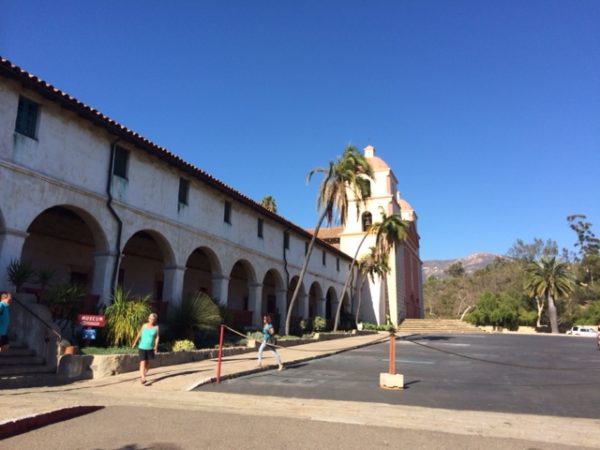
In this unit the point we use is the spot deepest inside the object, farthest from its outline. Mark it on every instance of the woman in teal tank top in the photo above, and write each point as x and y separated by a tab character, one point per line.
148	337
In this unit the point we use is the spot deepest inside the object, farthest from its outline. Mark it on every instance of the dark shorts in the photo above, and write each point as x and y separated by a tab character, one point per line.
4	340
145	355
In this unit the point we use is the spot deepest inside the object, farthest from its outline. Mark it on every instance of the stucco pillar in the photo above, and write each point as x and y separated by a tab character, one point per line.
102	280
220	289
173	284
321	307
11	247
255	303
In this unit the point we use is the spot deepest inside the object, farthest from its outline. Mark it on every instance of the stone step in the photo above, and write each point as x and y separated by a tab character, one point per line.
17	370
21	360
31	380
437	326
16	351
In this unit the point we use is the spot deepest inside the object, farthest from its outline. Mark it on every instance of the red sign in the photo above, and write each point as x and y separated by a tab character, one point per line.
90	320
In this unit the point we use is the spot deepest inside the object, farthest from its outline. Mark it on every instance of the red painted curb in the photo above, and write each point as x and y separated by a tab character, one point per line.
25	424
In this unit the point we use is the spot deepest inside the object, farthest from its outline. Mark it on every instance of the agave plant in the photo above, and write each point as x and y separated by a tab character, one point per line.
197	312
124	317
19	273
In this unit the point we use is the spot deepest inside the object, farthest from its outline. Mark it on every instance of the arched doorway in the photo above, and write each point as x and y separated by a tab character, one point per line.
330	305
60	247
141	272
238	298
272	283
296	314
199	269
315	294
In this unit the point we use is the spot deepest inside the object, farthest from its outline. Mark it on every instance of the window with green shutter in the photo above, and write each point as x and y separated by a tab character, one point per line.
27	117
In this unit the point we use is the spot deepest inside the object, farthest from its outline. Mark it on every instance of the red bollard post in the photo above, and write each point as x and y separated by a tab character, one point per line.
220	353
392	365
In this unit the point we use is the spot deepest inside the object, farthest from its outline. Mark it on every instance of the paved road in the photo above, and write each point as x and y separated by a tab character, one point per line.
527	376
137	428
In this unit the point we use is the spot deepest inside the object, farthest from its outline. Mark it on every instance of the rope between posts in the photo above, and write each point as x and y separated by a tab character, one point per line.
384	339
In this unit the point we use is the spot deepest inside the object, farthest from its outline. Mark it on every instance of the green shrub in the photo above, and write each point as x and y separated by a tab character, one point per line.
319	324
197	312
374	327
184	345
124	317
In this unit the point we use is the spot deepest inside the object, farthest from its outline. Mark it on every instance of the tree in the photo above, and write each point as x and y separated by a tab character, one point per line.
351	172
589	246
550	280
587	241
370	266
268	203
456	270
390	232
496	309
533	251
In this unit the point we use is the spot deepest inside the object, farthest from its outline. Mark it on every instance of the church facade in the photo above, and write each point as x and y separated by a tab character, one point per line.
402	288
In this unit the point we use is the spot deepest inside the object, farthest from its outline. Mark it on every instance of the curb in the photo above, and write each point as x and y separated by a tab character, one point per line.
28	423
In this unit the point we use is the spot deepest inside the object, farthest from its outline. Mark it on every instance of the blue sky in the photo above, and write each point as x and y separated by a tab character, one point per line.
488	111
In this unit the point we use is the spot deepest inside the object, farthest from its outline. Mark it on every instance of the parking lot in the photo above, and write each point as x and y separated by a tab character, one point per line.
531	374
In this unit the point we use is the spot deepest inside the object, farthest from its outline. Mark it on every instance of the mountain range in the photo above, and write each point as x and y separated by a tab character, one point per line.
471	263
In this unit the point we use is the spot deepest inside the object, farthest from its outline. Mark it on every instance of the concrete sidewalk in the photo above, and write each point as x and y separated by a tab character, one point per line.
17	404
170	390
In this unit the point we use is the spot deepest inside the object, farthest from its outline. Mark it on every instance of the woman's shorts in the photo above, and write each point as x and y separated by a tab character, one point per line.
4	340
145	355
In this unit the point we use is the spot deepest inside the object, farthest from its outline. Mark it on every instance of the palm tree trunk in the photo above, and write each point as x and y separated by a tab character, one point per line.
303	272
346	282
552	315
386	300
360	287
540	310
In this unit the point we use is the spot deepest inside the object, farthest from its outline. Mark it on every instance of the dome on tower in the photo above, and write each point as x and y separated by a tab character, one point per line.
376	162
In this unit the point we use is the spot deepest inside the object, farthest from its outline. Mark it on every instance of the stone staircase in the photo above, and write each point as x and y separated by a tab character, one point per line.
434	326
20	367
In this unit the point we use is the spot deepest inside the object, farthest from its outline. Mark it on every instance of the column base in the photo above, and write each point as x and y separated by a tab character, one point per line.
391	381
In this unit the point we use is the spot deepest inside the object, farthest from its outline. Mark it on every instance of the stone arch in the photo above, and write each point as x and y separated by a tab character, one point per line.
272	285
201	266
330	304
62	241
242	280
297	312
315	295
145	256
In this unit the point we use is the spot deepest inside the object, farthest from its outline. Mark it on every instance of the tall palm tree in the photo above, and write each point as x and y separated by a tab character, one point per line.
268	202
369	266
549	279
390	232
351	172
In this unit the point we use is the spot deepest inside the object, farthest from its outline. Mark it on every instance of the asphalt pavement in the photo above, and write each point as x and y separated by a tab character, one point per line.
169	413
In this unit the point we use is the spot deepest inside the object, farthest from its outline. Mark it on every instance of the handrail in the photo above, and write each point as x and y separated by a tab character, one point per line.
38	318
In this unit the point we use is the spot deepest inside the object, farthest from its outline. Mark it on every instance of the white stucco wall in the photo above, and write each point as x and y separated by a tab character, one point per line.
68	165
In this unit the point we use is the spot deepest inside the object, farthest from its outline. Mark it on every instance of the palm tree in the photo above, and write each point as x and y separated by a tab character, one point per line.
350	171
268	203
390	232
369	266
549	279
